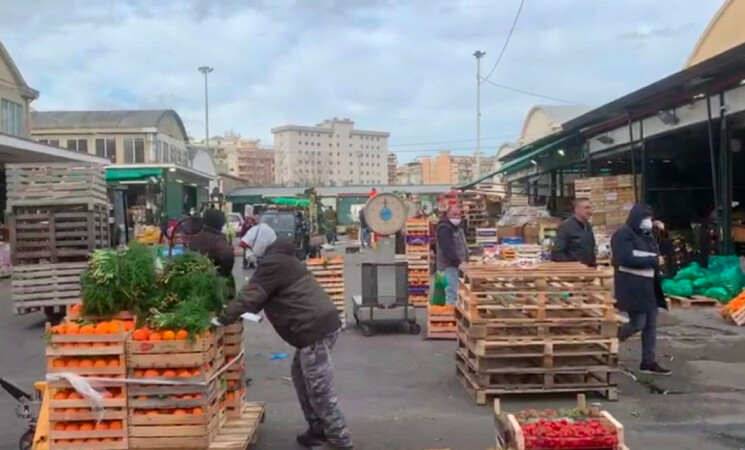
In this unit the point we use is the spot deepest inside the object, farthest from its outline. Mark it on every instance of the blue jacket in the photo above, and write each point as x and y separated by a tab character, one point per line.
636	263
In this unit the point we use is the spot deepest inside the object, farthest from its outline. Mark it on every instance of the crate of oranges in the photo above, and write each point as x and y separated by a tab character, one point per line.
184	410
87	348
233	339
75	424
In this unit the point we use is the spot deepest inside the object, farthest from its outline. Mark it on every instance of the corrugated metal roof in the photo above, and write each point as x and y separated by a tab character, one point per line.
281	191
41	120
564	113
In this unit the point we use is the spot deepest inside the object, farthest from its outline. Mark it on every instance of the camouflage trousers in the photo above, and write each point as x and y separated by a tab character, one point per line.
312	375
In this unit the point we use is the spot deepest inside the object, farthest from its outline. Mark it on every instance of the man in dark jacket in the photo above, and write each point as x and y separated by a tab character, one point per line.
364	230
637	283
303	315
211	242
452	250
575	240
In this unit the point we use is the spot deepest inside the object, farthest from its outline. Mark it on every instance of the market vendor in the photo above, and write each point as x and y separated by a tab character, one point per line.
452	250
210	241
637	283
304	316
575	240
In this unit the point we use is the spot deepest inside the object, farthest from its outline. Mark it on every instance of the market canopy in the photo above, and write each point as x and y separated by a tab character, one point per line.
304	202
124	174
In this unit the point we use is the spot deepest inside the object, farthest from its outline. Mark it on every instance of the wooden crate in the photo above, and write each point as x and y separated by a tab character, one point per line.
441	323
67	416
330	275
68	353
53	234
509	429
240	432
38	286
55	183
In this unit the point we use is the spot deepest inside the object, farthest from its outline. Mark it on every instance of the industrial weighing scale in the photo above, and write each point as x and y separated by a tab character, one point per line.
383	297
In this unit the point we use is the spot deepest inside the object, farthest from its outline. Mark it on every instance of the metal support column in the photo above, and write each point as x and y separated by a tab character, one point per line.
714	163
552	191
633	163
561	183
643	168
725	171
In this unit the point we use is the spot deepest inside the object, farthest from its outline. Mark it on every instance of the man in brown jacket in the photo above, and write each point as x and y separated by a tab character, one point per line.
303	315
212	243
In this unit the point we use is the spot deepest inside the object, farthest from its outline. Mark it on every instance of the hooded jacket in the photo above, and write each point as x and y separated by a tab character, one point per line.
211	242
636	263
297	306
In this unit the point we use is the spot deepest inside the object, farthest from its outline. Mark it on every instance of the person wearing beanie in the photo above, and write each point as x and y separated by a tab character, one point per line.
212	243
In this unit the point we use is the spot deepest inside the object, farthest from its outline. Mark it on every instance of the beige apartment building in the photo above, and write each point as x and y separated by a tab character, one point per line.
392	167
443	168
242	158
333	153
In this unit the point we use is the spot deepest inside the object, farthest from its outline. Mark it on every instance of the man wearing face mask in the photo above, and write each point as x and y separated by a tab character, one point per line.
637	283
452	250
303	315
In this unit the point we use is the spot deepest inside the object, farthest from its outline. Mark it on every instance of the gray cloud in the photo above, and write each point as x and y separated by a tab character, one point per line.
404	66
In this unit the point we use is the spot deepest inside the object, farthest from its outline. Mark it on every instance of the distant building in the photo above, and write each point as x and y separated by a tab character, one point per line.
392	166
331	153
443	168
243	158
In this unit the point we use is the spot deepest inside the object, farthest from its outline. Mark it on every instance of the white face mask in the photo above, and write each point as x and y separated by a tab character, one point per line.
455	222
646	224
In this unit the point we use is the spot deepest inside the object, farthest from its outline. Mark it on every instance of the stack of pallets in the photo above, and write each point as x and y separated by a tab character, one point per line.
417	258
329	273
473	206
545	329
57	214
74	423
176	416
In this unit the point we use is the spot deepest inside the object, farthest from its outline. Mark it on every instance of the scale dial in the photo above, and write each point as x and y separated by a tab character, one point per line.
385	214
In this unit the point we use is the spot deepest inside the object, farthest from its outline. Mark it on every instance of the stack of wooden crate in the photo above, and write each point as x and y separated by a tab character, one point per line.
441	322
329	273
417	257
611	197
473	207
57	215
544	329
86	351
235	374
180	415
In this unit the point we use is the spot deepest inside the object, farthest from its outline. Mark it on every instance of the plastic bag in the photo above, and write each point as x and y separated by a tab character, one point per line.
718	293
438	293
691	272
682	288
700	285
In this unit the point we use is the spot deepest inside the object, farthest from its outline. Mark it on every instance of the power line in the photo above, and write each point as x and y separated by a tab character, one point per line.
413	144
534	94
507	41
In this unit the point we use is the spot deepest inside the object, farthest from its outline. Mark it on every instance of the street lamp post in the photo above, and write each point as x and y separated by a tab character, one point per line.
478	54
206	70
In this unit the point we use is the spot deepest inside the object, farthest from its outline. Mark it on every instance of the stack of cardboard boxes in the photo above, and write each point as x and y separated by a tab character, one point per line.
612	198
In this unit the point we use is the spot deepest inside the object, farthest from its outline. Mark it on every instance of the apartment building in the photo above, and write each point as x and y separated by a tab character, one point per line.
333	153
243	158
392	166
443	168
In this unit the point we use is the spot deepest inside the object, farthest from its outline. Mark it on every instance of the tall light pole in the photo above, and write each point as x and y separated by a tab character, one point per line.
206	70
478	54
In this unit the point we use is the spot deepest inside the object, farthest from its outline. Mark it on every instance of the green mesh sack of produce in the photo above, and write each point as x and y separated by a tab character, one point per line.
682	288
690	272
438	293
700	285
718	293
725	272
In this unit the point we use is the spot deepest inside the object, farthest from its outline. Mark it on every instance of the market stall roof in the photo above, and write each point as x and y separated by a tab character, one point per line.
716	74
138	171
14	149
304	202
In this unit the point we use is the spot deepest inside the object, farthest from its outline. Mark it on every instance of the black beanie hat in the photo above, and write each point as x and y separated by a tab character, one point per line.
214	218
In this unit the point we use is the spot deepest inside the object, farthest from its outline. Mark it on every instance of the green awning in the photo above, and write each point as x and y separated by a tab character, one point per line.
304	202
128	174
518	162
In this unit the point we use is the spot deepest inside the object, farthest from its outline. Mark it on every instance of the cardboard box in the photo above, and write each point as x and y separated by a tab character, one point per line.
509	232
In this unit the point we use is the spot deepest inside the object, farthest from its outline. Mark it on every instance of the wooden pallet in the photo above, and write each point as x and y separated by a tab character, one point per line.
697	301
509	430
481	394
37	286
239	433
55	183
533	330
547	276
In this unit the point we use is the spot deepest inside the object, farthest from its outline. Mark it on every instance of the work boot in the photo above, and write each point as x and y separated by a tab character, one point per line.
311	439
654	369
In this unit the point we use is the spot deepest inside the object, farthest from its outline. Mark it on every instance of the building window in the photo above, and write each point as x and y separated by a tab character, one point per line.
134	150
106	148
12	117
166	152
80	145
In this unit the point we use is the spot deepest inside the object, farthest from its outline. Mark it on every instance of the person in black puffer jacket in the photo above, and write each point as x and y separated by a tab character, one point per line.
637	283
303	315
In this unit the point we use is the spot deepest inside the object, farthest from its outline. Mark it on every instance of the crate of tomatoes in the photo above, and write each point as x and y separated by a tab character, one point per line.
580	428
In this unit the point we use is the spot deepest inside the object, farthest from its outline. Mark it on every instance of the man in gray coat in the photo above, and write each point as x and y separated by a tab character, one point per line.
452	250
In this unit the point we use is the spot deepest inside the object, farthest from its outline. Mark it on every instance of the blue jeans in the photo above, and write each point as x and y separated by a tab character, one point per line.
646	322
451	290
365	237
331	237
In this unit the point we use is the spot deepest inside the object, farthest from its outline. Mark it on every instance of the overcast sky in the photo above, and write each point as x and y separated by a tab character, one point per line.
403	66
